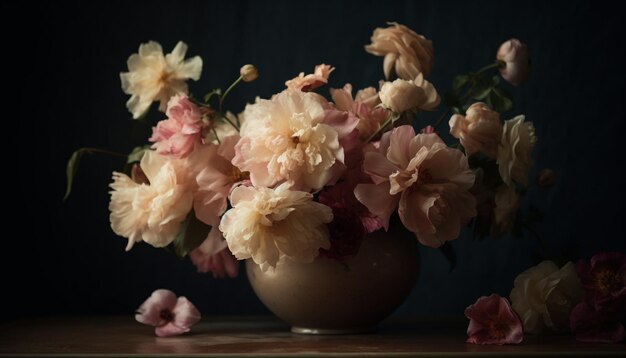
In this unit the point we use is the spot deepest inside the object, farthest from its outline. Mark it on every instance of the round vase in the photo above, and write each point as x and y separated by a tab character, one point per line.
330	296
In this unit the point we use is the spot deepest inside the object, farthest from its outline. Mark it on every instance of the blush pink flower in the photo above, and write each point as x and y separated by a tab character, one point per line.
516	60
170	315
479	130
177	135
216	180
426	180
221	264
363	106
311	81
493	321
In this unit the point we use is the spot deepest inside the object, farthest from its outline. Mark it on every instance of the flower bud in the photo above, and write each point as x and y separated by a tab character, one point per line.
401	95
546	178
516	59
249	73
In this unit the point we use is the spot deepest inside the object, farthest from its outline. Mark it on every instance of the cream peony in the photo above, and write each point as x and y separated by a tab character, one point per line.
518	139
505	212
269	224
479	130
401	95
155	77
285	139
150	212
426	180
410	53
544	295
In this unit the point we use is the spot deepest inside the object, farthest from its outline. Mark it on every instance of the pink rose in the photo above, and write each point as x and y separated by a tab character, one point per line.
493	321
516	60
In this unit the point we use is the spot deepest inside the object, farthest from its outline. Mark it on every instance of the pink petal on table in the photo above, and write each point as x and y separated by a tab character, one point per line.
150	311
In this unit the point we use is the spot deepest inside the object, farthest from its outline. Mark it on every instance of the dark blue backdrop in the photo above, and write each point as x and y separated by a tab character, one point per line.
67	74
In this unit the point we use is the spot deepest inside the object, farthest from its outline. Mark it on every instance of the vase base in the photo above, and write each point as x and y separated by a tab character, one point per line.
331	331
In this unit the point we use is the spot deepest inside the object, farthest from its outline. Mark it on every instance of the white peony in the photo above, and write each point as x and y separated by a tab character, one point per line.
518	139
268	224
153	77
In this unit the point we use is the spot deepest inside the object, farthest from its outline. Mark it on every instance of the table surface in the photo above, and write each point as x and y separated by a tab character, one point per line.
264	336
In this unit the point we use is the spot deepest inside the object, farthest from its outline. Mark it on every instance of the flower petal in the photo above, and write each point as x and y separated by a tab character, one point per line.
150	311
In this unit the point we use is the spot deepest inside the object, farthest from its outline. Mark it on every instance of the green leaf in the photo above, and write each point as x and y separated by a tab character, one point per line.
192	233
136	154
448	251
208	96
495	81
72	168
501	100
459	81
479	93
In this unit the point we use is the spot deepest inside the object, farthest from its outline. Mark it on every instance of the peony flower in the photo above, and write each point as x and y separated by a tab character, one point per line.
604	326
220	264
505	211
170	315
216	180
341	196
604	279
410	53
312	81
150	212
492	321
363	106
479	130
544	296
401	95
516	59
269	224
428	182
287	139
183	128
154	77
518	139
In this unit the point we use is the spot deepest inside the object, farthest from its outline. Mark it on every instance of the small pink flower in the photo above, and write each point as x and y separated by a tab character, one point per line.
493	321
517	61
170	315
311	81
220	264
183	128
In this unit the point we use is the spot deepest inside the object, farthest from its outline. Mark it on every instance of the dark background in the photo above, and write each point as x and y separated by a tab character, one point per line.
63	69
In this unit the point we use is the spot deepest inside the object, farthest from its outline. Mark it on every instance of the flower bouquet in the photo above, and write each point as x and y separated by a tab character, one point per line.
301	178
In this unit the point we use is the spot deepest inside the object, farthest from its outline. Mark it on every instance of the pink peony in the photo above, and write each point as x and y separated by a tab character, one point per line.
312	81
220	264
592	325
363	106
425	179
493	321
183	128
170	315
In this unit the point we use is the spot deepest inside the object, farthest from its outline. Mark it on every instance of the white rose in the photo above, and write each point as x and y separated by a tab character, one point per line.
543	296
518	138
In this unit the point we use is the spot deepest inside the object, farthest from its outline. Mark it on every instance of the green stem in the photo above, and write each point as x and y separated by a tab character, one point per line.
497	64
230	88
91	150
389	120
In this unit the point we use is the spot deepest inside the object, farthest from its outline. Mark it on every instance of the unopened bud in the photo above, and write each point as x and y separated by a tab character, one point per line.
546	178
249	73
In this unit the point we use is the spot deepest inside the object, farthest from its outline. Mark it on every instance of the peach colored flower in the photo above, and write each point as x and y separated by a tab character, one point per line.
516	60
311	81
287	139
154	77
401	95
410	53
363	106
153	212
183	128
269	224
518	139
505	211
425	179
170	315
479	130
544	296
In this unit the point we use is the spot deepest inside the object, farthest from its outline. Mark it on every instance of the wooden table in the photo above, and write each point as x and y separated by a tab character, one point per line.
263	336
